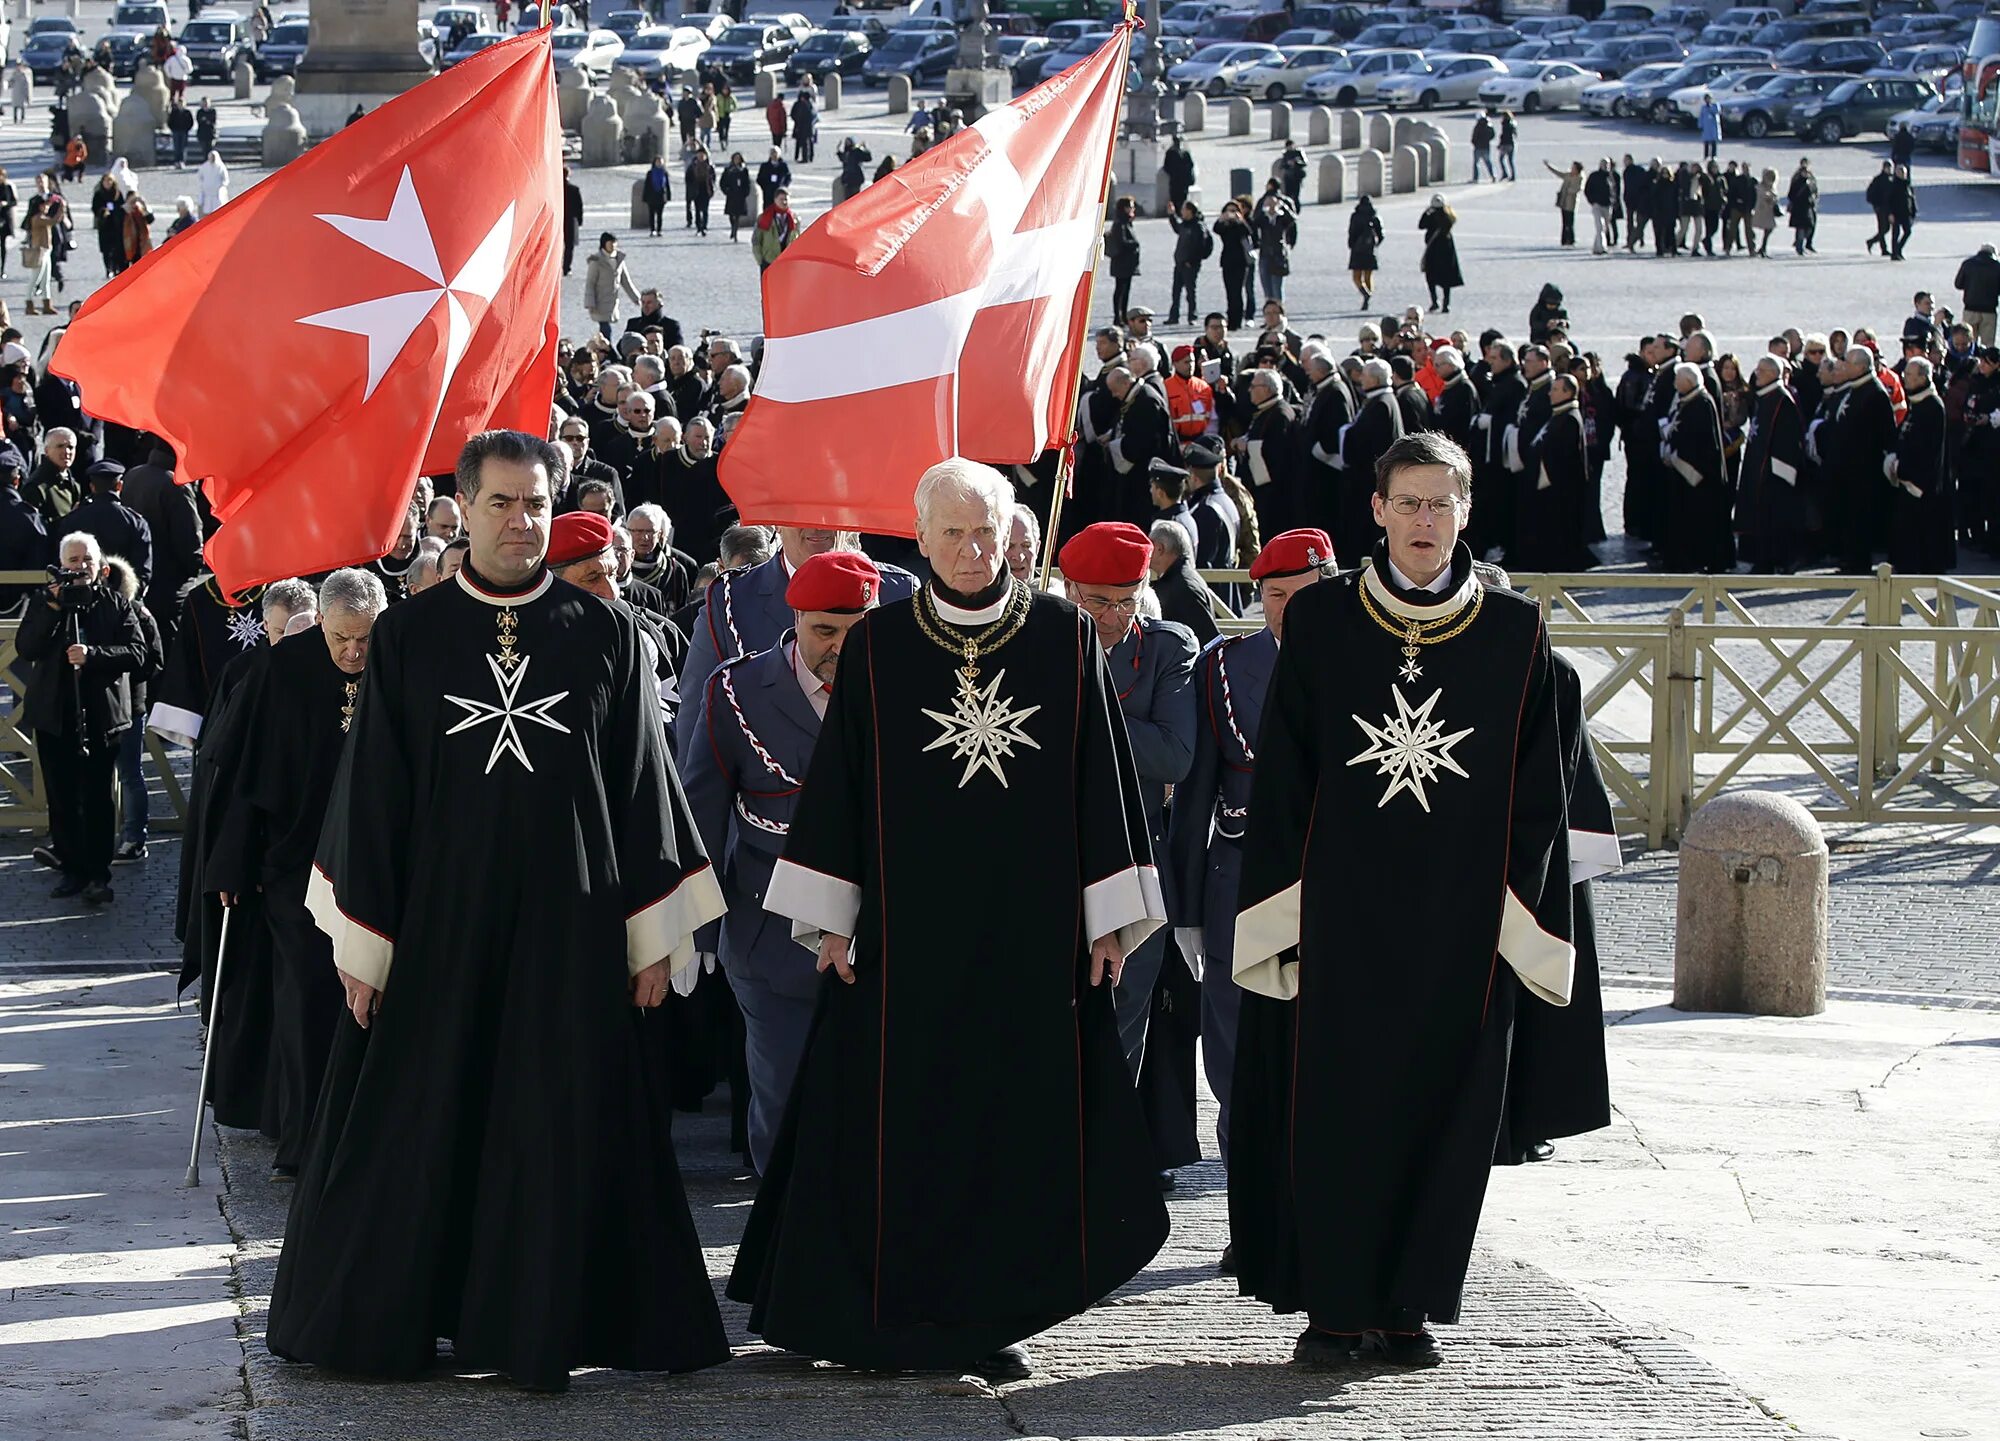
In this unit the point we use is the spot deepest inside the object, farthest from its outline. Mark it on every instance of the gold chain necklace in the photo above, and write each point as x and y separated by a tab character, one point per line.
971	647
1415	633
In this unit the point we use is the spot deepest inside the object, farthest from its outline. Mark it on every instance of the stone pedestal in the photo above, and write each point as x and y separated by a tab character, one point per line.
572	97
1281	120
90	118
1240	112
359	52
829	91
243	79
1332	179
1319	126
898	90
1405	170
766	87
1751	934
635	102
1194	112
1371	174
1381	133
151	86
1439	153
974	92
285	136
133	130
1349	122
603	132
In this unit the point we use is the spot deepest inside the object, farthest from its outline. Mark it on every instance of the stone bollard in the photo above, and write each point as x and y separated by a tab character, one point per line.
899	95
767	87
1281	120
1404	130
633	98
1240	111
1751	933
1381	134
1371	174
284	90
640	219
1332	179
1437	164
133	130
829	91
285	136
1194	112
242	78
572	97
1350	129
656	131
90	117
1404	175
603	132
151	86
1319	126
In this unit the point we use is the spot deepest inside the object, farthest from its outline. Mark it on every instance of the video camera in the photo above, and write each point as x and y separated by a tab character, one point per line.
75	589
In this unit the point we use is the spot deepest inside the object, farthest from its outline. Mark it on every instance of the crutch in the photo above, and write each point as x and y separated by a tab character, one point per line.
208	1050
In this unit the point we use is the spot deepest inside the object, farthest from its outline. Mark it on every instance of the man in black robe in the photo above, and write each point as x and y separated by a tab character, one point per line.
1377	425
1851	446
1698	503
1268	450
507	831
1329	411
972	756
1555	481
1411	401
1456	407
1922	540
1142	434
299	706
1494	483
1408	803
215	629
1769	508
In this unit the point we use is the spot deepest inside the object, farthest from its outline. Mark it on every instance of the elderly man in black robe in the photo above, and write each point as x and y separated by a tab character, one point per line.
1921	538
1698	500
1269	452
1411	718
934	1197
1493	527
1329	411
1141	434
1853	442
1377	425
1769	509
1555	485
490	1161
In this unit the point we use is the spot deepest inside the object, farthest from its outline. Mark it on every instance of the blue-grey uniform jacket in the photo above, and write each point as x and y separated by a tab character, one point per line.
1212	806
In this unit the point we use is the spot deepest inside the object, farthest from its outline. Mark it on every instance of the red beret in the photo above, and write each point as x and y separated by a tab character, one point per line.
1293	553
578	535
1111	552
835	580
1183	352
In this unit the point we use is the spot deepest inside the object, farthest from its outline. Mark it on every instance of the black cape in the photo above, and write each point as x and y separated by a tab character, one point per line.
1371	1057
963	1162
506	828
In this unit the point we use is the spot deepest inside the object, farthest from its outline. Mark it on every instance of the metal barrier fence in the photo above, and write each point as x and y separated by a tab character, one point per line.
1885	707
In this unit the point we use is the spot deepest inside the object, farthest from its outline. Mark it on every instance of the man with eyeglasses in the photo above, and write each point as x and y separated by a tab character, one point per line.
1105	574
1406	833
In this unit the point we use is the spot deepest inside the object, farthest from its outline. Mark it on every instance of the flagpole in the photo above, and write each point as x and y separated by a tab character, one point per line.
1066	458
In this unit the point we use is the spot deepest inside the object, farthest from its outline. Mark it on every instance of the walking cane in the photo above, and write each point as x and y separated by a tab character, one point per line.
208	1051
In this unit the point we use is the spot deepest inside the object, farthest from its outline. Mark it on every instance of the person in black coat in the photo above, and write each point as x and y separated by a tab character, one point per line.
1769	506
1802	205
1179	167
1548	520
1183	595
1851	442
1232	232
1193	244
1638	195
1663	192
119	529
1455	409
1329	408
1410	398
1902	210
1378	424
1491	522
173	521
1141	434
59	404
572	217
1440	262
1121	255
24	540
1698	503
1364	238
1922	540
1547	311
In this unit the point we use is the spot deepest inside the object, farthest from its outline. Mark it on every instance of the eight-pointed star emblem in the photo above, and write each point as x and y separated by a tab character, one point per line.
1410	748
507	739
388	321
983	729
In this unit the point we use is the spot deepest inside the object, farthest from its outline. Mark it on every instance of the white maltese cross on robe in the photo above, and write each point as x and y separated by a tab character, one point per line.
507	738
1410	748
983	729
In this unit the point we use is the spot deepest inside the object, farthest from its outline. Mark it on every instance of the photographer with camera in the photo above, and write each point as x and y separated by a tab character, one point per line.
81	643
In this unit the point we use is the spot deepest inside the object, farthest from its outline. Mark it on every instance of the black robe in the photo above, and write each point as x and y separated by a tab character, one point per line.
1555	481
212	633
1372	1047
1327	414
1921	538
1770	509
490	1161
963	1162
1698	502
1454	409
1557	1080
1852	446
1491	521
1377	425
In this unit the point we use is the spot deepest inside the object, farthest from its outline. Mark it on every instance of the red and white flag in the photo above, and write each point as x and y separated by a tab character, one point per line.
345	326
939	312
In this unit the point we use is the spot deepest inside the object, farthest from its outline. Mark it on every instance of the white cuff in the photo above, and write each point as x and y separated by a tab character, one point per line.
1591	854
1319	454
183	727
1785	471
1686	469
665	929
814	900
1546	965
1264	933
357	951
1128	903
1193	948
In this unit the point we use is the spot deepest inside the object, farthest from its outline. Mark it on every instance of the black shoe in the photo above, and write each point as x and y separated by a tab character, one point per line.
129	853
1009	1363
282	1173
66	887
97	893
1322	1350
1412	1352
1538	1151
46	856
1227	1265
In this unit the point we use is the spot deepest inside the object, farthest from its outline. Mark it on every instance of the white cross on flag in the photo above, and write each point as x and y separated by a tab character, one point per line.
939	312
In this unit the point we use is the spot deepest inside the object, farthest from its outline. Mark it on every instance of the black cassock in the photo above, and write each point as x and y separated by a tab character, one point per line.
1402	833
1554	491
1921	538
490	1160
1770	511
1698	502
963	1162
1557	1082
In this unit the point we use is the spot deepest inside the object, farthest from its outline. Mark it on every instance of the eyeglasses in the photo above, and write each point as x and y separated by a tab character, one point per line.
1438	505
1104	605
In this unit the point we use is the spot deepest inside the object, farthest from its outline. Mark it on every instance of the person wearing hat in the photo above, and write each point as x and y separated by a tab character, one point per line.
754	723
1215	514
1106	569
1211	806
1412	713
1190	399
583	547
120	530
963	1161
745	611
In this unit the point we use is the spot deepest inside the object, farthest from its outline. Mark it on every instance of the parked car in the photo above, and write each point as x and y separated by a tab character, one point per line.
922	55
1687	101
1483	39
1443	80
214	41
1925	62
1741	55
747	48
1537	85
868	27
132	28
1654	98
1754	16
1346	21
1300	35
1565	47
1395	36
1016	50
1613	58
1683	22
665	53
594	52
1286	76
1213	68
1781	33
1600	29
1857	107
1244	26
283	48
1930	27
1080	45
1934	124
470	46
627	23
1187	17
50	40
826	52
1613	97
1760	112
1852	56
1628	12
1360	75
1547	27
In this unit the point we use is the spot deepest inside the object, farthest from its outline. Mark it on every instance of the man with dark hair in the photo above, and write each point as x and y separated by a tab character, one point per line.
1412	713
507	731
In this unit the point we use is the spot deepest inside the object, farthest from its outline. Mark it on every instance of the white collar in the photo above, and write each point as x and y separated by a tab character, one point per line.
1438	586
532	593
958	616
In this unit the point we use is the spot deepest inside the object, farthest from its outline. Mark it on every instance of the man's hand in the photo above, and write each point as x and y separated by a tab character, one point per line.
833	952
227	898
76	654
362	999
1107	956
649	987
